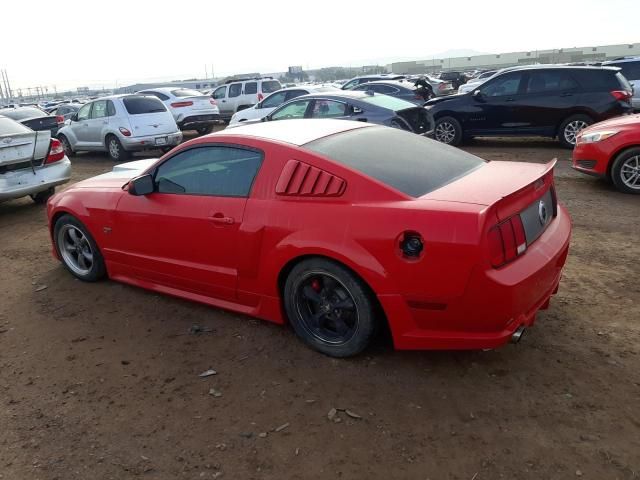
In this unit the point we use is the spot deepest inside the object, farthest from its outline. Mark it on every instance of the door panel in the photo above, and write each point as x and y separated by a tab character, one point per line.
81	127
187	242
495	110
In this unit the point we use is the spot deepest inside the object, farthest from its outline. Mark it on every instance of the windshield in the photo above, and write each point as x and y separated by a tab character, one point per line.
385	101
410	163
186	92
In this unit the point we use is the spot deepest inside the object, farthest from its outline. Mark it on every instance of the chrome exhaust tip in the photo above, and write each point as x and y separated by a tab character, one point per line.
517	335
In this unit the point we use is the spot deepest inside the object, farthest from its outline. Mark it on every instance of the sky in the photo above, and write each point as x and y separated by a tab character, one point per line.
70	43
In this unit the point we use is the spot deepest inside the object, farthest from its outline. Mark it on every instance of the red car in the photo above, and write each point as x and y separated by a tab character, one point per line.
334	226
611	150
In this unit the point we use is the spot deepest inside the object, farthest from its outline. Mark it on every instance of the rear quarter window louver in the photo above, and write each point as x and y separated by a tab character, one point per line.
301	179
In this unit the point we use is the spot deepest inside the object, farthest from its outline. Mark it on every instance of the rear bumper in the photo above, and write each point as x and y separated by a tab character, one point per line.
194	121
20	183
142	143
495	304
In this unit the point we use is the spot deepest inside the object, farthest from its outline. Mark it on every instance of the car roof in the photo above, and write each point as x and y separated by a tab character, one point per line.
164	89
621	60
556	67
296	132
344	94
395	83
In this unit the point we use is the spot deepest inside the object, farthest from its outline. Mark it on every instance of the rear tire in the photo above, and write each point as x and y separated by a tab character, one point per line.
625	171
68	151
41	197
329	308
78	250
115	149
448	131
570	128
205	130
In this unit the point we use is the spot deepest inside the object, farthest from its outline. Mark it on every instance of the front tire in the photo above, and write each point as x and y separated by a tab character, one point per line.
448	131
78	250
329	307
570	128
116	151
625	171
41	197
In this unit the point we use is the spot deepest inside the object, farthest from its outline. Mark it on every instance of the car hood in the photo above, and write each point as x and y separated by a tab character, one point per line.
448	98
119	176
622	121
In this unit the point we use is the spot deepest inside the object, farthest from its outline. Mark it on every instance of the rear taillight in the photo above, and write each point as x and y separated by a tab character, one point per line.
623	95
181	104
213	102
260	97
59	119
442	86
56	152
125	131
507	241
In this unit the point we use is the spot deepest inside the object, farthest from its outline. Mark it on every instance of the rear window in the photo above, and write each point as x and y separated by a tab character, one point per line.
186	92
385	101
137	105
405	161
22	113
596	79
10	127
270	86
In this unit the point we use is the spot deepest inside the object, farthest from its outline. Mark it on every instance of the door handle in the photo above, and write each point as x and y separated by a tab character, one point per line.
220	219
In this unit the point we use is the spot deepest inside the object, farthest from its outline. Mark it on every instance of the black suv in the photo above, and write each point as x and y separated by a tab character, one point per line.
550	101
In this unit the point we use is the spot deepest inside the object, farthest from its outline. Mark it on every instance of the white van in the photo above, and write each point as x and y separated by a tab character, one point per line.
236	95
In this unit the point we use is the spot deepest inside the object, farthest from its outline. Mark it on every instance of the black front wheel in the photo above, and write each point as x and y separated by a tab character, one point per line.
116	151
448	130
329	308
625	171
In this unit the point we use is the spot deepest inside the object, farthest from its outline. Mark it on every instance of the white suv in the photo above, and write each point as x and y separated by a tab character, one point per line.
236	95
120	124
191	109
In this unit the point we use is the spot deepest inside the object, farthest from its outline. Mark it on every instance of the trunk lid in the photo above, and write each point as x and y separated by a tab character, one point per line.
148	116
23	147
200	102
41	123
507	187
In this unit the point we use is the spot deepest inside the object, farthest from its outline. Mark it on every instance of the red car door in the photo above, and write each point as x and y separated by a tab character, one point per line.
184	236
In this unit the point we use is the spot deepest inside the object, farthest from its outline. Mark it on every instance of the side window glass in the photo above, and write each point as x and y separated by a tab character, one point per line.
503	86
220	93
549	81
99	109
111	108
235	89
250	88
328	109
274	100
83	113
291	94
215	171
290	110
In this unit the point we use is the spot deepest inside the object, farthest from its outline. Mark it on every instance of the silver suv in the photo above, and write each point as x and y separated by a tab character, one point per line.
119	125
242	93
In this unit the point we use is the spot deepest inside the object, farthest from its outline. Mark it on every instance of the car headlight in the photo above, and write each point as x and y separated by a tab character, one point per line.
594	137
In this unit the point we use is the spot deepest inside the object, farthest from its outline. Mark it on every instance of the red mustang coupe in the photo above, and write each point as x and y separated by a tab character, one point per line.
611	150
334	226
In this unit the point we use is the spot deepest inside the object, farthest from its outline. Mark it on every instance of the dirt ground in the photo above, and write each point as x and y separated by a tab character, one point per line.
100	381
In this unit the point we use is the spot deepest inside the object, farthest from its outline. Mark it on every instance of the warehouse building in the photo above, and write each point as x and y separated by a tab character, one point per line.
501	60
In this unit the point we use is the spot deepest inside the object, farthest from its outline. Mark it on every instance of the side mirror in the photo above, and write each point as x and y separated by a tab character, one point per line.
357	110
258	105
142	185
74	117
478	95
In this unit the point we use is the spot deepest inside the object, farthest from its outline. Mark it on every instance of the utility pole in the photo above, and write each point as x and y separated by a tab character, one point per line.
6	84
206	74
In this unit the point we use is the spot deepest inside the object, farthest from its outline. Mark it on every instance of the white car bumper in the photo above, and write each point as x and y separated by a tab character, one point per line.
131	144
20	183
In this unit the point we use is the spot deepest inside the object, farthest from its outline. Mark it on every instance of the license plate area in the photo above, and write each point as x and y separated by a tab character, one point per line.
162	140
537	216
